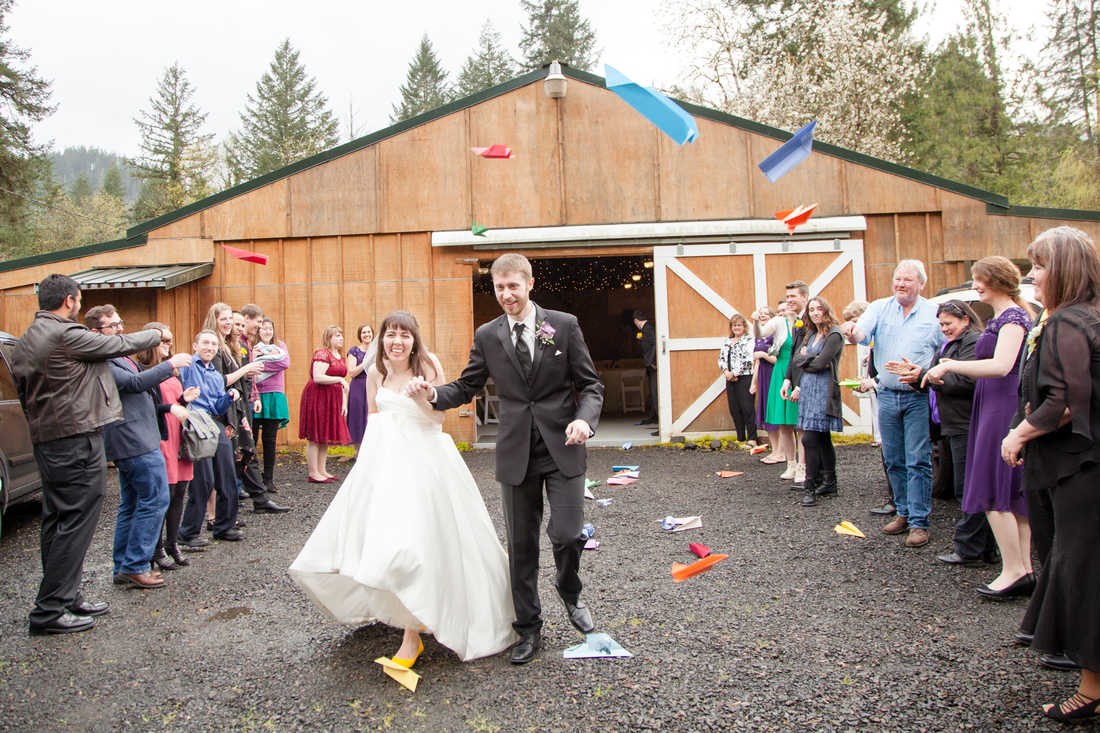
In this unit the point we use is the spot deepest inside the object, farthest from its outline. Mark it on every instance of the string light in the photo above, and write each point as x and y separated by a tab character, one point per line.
635	277
628	286
648	264
563	275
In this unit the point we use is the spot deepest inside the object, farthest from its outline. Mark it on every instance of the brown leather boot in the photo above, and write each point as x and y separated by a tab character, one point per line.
896	526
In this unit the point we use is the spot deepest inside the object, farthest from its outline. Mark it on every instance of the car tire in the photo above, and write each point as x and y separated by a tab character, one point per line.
943	471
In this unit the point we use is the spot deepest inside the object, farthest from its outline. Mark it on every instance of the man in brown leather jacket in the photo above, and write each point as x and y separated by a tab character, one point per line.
68	394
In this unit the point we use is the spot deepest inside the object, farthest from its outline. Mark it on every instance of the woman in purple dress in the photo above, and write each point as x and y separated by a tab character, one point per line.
992	486
357	395
761	384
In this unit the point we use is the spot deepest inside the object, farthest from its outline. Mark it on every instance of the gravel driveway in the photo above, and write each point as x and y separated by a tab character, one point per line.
800	629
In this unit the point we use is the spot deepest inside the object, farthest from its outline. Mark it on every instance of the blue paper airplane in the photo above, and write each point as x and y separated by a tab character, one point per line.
790	153
668	116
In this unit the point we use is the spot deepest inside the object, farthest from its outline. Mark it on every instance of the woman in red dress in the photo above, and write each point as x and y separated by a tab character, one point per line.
322	418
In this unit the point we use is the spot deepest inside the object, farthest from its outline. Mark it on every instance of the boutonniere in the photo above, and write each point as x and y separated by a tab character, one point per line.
798	323
1033	335
545	334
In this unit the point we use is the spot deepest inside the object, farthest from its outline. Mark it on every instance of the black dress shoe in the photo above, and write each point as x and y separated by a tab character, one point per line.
1060	662
239	525
1022	638
87	608
956	559
524	651
580	616
1022	587
885	510
195	544
230	535
269	507
69	623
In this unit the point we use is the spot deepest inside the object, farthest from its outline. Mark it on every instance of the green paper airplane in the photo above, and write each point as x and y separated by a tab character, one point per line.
478	230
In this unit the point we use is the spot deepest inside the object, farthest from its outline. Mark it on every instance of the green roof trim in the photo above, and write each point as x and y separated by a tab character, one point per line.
68	254
1040	212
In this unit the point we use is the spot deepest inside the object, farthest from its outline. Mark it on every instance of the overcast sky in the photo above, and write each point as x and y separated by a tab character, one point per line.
105	58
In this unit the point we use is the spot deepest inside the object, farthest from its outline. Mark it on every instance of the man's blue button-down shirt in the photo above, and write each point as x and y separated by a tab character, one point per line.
916	338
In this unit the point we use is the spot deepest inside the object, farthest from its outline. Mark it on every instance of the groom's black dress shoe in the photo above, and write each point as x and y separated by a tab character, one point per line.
580	616
87	608
524	651
269	507
69	623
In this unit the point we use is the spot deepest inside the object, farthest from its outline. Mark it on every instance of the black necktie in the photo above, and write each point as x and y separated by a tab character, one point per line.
522	351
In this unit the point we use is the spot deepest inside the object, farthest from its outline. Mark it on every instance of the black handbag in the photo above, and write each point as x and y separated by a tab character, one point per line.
199	436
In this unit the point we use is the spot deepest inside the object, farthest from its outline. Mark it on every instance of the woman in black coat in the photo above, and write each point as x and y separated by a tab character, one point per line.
1060	443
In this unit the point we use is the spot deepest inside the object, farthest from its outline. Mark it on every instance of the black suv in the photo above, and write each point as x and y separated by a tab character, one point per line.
19	480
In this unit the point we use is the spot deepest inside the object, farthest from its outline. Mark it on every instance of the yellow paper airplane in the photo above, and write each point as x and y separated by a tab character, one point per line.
849	528
405	677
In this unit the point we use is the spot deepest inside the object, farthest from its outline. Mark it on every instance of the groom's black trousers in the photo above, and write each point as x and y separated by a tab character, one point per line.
523	506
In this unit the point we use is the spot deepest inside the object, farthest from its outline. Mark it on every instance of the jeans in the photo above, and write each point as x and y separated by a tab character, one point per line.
903	418
143	500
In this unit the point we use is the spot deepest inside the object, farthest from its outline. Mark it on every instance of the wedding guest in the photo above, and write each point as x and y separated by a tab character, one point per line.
781	411
357	390
991	486
1060	442
179	471
817	391
904	325
951	405
274	413
763	364
325	405
735	361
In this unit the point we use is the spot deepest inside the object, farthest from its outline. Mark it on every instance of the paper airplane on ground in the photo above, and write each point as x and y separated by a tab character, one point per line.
244	254
592	545
669	117
849	528
700	550
590	484
595	646
603	502
758	449
795	217
620	481
494	151
789	154
478	230
616	469
404	676
681	573
627	474
682	523
729	474
588	493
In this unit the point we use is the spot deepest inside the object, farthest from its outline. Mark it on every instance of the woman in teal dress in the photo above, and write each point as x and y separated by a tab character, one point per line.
781	412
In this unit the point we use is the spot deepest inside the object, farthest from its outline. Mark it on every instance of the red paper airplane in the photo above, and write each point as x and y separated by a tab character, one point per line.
244	254
700	550
494	151
795	217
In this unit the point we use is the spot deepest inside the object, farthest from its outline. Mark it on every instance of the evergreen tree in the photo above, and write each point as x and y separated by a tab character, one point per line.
287	120
174	167
425	85
488	66
24	100
81	189
556	32
112	182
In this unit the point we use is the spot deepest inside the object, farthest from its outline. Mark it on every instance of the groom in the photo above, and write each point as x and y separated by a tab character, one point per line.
550	402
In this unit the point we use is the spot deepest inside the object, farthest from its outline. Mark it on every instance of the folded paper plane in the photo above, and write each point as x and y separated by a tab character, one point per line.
595	646
621	481
795	217
729	474
849	528
850	383
478	230
627	474
244	254
590	484
758	449
627	445
405	677
681	573
700	550
588	493
679	524
790	154
603	502
494	151
669	117
592	544
616	469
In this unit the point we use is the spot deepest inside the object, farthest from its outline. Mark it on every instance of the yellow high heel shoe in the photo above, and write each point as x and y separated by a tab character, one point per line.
408	663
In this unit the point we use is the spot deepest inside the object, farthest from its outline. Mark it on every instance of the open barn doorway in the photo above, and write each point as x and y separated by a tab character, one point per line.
603	293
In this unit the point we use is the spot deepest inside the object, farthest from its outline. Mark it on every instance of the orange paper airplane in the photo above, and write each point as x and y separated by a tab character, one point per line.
758	449
729	474
244	254
681	573
795	217
494	151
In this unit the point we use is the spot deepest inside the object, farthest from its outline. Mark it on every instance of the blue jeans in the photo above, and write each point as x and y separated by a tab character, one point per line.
907	450
142	503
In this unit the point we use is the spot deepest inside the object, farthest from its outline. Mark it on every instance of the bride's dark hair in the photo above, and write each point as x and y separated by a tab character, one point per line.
418	358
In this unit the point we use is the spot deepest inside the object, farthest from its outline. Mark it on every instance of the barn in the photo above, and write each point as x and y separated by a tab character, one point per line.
613	213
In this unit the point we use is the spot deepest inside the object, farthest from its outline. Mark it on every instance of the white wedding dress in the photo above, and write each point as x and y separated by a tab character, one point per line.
407	540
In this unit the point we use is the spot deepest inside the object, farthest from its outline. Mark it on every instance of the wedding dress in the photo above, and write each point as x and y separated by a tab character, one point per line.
407	540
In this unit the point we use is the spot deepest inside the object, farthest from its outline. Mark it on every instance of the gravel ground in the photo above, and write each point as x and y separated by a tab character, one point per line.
800	629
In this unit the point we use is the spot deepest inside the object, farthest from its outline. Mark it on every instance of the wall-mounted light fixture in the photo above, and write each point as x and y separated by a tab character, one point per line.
555	82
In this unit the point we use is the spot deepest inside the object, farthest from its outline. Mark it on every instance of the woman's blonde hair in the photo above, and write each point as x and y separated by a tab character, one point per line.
225	345
1001	274
326	339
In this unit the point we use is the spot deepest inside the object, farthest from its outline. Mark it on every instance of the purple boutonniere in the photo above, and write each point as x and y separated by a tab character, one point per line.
545	334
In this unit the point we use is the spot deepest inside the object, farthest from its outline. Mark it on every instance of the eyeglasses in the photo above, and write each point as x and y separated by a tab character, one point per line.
951	307
167	341
116	326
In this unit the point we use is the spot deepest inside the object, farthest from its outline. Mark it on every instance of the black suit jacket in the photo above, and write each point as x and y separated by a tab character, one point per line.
563	387
649	344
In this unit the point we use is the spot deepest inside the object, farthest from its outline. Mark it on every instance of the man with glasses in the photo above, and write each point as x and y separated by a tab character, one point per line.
68	395
133	445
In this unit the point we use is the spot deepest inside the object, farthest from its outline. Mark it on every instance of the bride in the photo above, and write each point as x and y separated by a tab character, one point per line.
407	540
